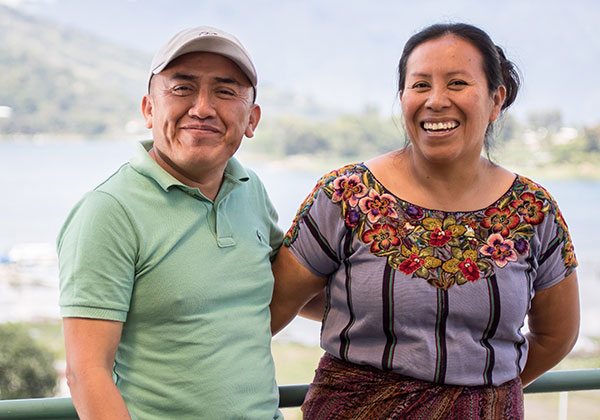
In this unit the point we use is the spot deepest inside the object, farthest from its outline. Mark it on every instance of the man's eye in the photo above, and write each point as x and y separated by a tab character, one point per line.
225	92
181	90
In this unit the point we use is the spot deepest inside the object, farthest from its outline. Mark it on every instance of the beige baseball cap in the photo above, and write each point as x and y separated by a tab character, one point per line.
204	39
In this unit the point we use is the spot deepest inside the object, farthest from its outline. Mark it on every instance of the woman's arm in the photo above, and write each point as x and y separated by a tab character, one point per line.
294	287
553	327
315	308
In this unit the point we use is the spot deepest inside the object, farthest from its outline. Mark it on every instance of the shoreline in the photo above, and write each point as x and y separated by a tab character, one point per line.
319	163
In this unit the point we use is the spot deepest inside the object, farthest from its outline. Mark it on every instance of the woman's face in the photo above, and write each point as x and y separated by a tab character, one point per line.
446	101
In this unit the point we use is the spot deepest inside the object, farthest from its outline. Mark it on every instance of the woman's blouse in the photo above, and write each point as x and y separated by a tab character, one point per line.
435	295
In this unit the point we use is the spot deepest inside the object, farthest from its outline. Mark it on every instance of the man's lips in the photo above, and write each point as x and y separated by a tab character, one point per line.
202	127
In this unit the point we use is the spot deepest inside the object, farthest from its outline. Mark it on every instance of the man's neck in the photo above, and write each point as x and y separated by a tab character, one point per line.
208	183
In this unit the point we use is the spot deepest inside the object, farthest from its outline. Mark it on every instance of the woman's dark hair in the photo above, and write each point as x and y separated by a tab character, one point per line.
497	68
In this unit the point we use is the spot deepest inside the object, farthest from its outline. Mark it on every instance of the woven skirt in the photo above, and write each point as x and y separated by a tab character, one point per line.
343	390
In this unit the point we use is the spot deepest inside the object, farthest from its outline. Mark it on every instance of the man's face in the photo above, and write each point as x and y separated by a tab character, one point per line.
199	108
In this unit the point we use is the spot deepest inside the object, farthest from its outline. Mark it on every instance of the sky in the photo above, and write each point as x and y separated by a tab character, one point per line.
344	53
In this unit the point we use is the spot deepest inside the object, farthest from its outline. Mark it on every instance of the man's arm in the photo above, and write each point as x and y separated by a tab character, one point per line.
553	327
294	287
91	345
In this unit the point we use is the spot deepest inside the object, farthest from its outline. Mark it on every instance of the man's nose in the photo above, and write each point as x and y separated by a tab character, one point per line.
203	105
438	98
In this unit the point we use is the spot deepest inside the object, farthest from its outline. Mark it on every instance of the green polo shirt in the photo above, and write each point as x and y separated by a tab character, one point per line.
191	280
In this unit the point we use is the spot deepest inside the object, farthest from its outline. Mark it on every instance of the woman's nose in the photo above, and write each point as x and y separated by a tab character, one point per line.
438	98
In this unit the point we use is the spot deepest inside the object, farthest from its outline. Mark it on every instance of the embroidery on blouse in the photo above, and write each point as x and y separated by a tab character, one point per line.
440	247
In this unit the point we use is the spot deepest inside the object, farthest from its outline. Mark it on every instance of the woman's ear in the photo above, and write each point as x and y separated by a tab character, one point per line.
499	97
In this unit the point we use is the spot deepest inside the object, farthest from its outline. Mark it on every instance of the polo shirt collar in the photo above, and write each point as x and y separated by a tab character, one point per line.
145	165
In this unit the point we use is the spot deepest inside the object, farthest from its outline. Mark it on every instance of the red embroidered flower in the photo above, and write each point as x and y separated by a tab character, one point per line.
439	237
411	264
529	207
349	189
501	250
500	220
381	237
469	269
376	205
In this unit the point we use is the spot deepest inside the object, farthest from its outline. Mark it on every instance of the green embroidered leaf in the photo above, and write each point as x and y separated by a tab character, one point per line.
460	279
432	262
451	266
457	253
422	272
470	253
430	223
425	252
449	221
457	230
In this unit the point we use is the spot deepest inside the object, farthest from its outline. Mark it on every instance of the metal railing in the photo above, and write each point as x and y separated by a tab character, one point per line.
290	395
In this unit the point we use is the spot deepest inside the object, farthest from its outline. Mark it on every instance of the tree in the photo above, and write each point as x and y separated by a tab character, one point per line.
26	368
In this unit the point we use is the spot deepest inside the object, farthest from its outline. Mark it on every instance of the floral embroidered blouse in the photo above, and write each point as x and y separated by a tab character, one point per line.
439	296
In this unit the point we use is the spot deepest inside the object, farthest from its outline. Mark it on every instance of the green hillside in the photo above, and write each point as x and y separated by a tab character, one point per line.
57	80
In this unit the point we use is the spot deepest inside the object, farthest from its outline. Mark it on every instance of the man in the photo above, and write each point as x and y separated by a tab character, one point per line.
165	267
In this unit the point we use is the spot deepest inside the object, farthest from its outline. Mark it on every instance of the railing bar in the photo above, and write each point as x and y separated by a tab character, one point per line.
290	395
566	380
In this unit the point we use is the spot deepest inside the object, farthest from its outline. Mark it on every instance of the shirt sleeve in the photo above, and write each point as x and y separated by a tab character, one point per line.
97	249
556	259
316	233
275	232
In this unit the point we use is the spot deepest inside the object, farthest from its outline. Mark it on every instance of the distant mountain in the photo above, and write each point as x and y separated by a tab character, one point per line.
55	79
59	80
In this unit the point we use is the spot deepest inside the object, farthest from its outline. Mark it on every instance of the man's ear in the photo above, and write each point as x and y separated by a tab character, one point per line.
147	110
253	120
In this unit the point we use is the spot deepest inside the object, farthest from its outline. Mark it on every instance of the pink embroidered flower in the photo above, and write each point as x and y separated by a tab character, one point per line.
381	237
411	264
469	269
376	205
348	188
501	250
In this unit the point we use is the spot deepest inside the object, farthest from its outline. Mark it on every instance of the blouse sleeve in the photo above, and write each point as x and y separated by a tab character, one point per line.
316	232
556	258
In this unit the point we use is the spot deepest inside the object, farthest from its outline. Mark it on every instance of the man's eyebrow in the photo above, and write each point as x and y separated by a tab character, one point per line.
192	78
227	80
184	76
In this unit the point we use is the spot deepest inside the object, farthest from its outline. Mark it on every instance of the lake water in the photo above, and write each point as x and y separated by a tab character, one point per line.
40	182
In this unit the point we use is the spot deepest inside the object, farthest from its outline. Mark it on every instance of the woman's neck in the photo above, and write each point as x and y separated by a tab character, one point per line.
465	186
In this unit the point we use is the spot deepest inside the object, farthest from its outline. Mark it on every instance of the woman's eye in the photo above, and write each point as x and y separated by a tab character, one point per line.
458	83
420	85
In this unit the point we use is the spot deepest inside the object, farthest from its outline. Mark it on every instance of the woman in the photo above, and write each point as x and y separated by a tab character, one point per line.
432	256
